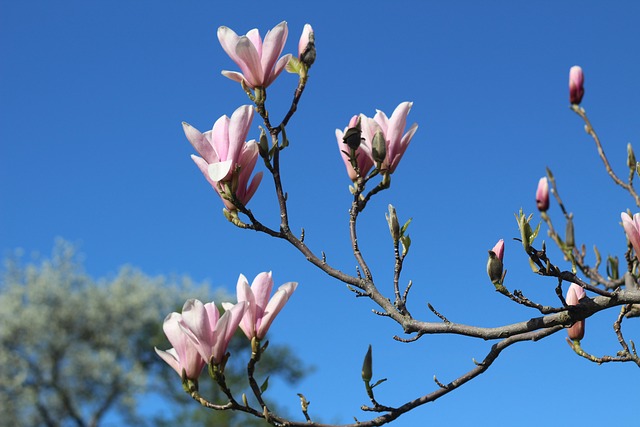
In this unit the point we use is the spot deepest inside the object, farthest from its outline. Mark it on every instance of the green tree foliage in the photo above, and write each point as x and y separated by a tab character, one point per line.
75	351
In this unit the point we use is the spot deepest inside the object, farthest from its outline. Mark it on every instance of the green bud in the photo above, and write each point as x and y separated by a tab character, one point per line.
378	148
494	268
394	226
526	233
263	145
367	367
612	268
569	234
631	157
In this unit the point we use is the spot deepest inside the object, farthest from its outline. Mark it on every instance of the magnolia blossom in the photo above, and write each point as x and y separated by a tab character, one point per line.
542	194
209	332
632	229
304	39
576	84
363	153
183	356
257	60
261	310
225	154
574	295
392	129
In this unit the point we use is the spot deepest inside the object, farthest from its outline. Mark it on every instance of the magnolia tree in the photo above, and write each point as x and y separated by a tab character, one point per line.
372	148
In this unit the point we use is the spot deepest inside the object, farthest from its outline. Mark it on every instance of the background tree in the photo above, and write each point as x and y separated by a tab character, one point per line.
77	351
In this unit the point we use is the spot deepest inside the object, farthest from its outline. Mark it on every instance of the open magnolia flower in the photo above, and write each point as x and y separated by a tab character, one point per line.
392	129
183	357
209	332
261	310
257	60
226	157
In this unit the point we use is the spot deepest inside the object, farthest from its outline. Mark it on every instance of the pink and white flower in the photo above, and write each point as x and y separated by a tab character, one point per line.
183	356
225	154
392	128
258	60
209	332
261	310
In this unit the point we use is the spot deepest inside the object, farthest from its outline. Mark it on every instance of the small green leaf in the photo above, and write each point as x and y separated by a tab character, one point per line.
265	385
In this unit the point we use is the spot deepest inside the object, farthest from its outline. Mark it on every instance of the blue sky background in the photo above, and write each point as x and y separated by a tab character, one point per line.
92	95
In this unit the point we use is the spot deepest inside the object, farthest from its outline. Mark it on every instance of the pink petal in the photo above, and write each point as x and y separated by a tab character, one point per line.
254	36
220	138
171	358
248	323
280	66
228	40
273	44
221	170
250	62
261	289
276	304
239	125
234	75
199	142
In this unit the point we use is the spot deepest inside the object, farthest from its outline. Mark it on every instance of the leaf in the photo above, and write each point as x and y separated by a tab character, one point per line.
265	385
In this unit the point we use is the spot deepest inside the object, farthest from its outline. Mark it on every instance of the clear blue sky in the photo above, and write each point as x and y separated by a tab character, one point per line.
92	95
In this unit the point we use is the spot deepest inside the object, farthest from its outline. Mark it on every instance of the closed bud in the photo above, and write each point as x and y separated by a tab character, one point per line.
542	194
612	268
631	157
569	234
574	295
494	264
394	226
379	147
353	136
576	85
307	46
263	145
367	367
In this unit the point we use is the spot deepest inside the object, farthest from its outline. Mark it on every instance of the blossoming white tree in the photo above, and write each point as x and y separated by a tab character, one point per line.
372	148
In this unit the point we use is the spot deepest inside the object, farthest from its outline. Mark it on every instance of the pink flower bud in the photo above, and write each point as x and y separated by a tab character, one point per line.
632	229
542	195
306	46
576	85
494	263
574	295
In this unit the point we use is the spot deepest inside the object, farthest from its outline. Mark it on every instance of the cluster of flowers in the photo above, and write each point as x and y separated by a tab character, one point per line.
200	336
227	160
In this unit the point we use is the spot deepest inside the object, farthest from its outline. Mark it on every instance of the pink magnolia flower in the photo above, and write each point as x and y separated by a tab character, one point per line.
494	263
183	356
226	155
257	60
209	332
261	310
576	84
363	153
392	129
574	295
542	194
632	229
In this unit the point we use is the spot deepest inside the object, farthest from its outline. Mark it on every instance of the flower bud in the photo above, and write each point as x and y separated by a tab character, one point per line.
569	237
378	147
367	367
542	194
576	85
353	136
574	295
307	46
631	157
613	270
494	264
394	226
263	145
